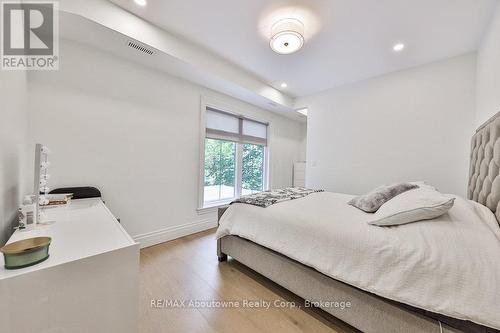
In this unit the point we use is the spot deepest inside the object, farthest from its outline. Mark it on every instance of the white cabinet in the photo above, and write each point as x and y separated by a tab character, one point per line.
90	282
299	174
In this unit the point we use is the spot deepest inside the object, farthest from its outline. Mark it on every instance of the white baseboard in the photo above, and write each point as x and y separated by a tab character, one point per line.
170	233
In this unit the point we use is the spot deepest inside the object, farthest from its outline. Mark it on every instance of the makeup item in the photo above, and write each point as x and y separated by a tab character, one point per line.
27	217
27	214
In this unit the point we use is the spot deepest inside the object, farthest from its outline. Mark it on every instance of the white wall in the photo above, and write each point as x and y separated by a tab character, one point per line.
13	127
410	125
488	72
135	134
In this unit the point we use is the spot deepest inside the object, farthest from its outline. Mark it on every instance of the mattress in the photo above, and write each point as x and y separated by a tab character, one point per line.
448	265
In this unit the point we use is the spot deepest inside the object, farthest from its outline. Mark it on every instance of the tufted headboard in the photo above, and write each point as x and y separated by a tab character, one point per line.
484	174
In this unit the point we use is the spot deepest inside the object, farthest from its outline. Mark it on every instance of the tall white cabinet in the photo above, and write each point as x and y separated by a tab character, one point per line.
299	174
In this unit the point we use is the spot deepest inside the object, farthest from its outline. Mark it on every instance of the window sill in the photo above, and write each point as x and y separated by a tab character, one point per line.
209	208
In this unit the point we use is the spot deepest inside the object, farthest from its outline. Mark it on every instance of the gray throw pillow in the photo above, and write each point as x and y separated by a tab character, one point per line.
373	200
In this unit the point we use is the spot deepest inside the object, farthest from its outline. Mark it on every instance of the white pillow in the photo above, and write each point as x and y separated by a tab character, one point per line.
415	205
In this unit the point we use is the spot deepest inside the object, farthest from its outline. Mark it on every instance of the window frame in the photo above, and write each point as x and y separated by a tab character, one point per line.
232	110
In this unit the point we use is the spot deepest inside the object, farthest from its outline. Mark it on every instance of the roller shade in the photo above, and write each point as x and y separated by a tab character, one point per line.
226	126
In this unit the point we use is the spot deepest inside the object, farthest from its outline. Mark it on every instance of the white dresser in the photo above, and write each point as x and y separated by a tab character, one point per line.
90	282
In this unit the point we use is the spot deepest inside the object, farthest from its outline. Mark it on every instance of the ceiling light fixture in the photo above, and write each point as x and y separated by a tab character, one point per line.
141	2
284	85
287	36
398	47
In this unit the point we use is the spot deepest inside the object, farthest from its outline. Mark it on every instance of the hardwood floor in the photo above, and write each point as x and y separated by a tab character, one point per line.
187	269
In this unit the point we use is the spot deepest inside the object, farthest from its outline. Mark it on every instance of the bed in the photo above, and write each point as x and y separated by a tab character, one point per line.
387	292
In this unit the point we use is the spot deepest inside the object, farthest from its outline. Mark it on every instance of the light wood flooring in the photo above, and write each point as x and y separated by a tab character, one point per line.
187	268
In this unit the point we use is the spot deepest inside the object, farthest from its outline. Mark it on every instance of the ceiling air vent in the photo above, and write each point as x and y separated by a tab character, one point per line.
140	47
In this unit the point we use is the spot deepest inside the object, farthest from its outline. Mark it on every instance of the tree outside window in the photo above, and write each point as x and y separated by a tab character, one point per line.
220	169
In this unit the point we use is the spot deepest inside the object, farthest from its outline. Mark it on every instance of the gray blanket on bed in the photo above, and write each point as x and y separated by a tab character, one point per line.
268	198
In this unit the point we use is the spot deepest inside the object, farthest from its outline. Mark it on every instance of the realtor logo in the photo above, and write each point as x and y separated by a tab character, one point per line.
29	35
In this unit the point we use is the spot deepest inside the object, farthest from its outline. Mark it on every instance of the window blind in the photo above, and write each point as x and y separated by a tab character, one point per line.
226	126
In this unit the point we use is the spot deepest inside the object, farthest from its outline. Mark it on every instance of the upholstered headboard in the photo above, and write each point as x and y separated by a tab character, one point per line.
484	174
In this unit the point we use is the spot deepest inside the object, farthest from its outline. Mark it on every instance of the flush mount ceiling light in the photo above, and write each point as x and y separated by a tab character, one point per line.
398	47
284	85
141	2
287	36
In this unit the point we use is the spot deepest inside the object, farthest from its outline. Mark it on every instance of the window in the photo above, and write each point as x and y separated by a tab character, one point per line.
234	157
252	169
220	170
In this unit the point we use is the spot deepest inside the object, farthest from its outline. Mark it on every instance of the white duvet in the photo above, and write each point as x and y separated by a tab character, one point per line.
449	265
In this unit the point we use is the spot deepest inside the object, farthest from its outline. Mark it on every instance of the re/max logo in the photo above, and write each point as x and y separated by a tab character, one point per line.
168	303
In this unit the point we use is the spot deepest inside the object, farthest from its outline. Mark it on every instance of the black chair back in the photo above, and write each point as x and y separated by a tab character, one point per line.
79	192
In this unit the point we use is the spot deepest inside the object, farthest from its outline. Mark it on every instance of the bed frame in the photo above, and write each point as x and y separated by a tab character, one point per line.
368	312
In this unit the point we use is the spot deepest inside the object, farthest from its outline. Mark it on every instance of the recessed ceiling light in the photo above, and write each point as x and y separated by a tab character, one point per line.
141	2
284	85
287	36
398	47
303	111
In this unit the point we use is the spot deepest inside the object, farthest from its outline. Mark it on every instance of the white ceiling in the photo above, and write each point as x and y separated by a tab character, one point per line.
346	40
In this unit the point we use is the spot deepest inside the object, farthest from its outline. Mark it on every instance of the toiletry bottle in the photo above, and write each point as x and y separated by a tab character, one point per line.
28	211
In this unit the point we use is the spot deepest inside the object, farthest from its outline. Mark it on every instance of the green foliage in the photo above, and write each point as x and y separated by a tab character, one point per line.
253	167
220	164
